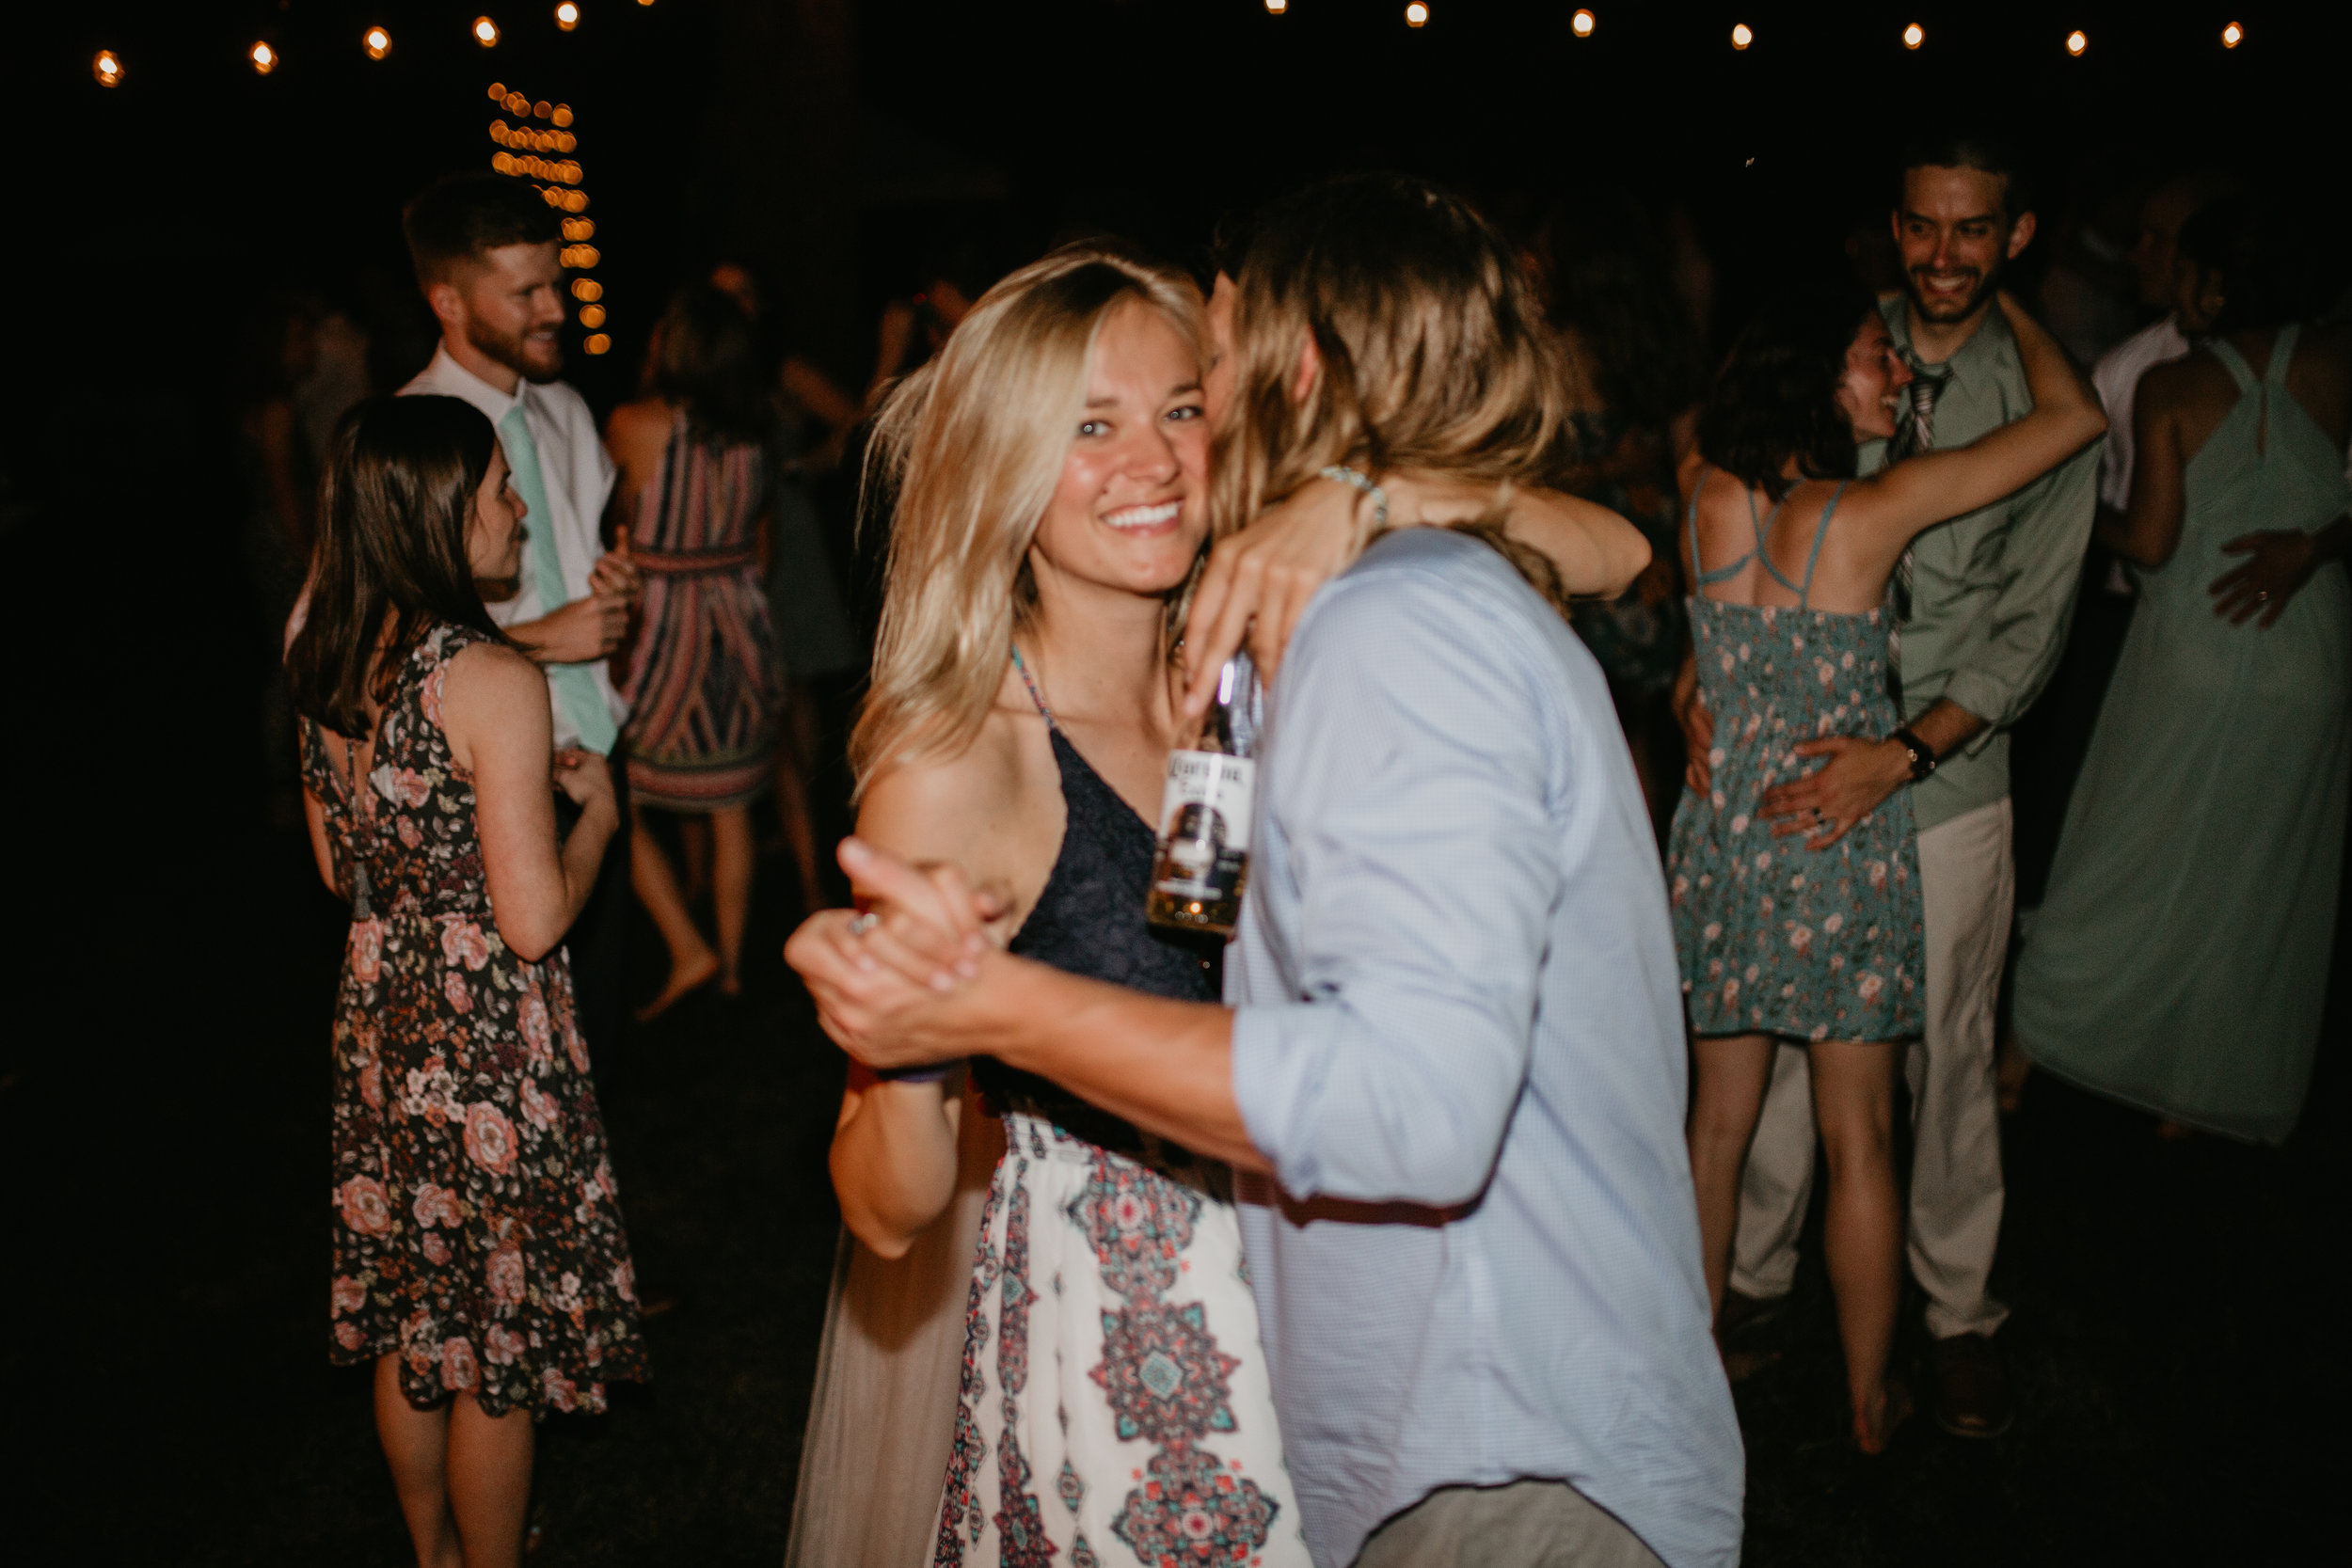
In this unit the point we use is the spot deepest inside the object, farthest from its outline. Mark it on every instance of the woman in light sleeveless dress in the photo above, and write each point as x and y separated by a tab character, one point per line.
1109	1402
1818	938
2180	960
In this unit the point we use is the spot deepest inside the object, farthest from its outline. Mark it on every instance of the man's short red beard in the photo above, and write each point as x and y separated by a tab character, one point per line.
518	353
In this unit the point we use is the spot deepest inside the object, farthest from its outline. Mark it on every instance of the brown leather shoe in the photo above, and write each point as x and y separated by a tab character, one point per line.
1972	1394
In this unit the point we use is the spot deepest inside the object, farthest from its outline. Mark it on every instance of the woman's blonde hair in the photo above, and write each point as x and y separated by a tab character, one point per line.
1436	353
969	450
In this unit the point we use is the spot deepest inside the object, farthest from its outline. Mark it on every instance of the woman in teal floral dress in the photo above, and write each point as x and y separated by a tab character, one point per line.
479	1257
1812	930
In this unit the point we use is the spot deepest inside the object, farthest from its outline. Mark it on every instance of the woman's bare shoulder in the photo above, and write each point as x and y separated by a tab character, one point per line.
936	806
492	679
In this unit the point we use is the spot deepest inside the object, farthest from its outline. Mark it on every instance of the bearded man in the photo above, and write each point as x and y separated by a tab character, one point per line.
486	250
1981	603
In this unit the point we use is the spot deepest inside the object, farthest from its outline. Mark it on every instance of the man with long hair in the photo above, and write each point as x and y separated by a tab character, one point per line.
1454	1081
486	250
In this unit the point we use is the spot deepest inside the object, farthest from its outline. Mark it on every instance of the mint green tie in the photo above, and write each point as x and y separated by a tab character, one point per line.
574	687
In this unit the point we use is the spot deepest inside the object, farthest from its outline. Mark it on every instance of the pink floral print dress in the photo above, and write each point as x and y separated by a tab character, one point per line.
477	1229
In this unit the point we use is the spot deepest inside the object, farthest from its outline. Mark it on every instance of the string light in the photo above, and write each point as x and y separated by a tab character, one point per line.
107	68
580	256
2076	41
575	202
265	58
567	16
1741	35
562	115
2232	36
1274	8
592	315
598	343
1415	13
587	289
1913	35
543	110
485	32
1581	25
378	43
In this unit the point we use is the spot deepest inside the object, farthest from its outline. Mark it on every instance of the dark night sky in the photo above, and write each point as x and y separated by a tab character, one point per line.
197	178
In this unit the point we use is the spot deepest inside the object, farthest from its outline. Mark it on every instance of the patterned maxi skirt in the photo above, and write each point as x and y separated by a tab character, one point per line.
1115	1406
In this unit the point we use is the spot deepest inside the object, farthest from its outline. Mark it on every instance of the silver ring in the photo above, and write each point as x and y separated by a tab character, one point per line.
862	922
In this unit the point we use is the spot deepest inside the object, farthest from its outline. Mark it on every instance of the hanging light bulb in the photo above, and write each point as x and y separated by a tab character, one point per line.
378	43
1274	8
567	16
1581	25
485	32
1415	13
2076	41
1913	35
265	58
2232	36
598	344
107	68
1741	35
562	115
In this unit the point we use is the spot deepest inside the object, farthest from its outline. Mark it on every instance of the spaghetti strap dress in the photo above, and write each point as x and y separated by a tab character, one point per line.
2180	959
1115	1407
476	1225
702	690
1775	936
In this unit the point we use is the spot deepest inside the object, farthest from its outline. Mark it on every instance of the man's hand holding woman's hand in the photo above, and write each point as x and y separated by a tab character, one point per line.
888	981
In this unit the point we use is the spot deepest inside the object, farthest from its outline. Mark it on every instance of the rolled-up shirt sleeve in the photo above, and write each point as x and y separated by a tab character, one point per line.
1410	776
2042	559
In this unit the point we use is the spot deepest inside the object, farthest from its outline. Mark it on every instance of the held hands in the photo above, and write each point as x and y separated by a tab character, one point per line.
894	985
614	574
1258	582
2278	561
586	778
1825	804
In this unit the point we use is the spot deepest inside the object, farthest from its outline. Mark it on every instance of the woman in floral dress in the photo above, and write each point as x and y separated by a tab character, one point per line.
479	1259
1818	936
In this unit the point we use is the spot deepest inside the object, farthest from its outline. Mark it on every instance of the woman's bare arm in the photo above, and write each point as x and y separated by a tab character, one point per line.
1919	492
494	706
894	1147
2148	530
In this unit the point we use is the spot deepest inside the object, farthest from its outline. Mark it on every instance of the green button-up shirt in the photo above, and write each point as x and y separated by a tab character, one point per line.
1992	591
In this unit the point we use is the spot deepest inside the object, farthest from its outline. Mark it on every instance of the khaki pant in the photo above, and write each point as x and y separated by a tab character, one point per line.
1525	1524
1967	885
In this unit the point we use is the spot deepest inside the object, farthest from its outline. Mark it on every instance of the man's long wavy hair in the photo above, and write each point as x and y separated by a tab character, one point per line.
971	448
392	556
1434	348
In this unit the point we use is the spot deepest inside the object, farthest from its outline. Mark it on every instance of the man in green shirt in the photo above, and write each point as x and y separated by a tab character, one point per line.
1983	604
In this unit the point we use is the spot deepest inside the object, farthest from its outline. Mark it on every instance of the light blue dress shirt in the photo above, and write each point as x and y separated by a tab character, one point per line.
1459	1040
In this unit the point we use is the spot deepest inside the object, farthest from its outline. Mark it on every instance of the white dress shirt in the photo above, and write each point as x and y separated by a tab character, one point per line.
578	475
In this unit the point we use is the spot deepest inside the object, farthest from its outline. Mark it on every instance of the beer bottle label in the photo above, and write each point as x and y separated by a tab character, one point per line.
1205	826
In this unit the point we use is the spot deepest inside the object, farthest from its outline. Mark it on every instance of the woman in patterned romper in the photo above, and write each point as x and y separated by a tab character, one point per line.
1110	1404
1818	938
479	1260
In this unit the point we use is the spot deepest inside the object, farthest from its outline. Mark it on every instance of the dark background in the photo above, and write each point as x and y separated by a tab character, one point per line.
164	1392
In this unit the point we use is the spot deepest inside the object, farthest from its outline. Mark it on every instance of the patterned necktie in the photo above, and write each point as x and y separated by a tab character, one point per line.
573	689
1915	434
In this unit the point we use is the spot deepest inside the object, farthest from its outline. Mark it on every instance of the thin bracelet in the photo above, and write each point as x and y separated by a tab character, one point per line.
1361	481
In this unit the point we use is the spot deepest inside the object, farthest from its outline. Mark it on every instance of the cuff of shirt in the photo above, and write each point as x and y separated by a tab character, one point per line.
1272	1085
1985	695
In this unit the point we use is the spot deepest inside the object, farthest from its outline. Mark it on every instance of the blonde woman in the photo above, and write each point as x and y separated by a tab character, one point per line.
1052	474
1456	1070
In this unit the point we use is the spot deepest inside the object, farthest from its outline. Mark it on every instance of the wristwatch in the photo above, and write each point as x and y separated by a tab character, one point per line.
1922	755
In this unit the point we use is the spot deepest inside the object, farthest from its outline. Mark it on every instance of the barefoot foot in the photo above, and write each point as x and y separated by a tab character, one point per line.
1874	1429
684	978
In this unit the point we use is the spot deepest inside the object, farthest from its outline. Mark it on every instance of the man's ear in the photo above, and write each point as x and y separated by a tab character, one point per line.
448	304
1310	370
2020	235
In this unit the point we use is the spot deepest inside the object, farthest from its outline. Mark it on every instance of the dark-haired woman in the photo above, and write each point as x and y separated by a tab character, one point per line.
479	1262
2180	960
1816	938
702	688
